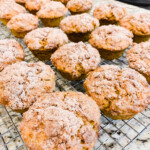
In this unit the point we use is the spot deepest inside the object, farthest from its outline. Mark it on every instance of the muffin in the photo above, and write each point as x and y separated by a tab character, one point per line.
79	27
110	12
44	41
61	121
138	23
52	13
75	60
8	9
79	6
22	23
35	5
22	2
63	1
111	41
139	58
10	52
21	84
120	93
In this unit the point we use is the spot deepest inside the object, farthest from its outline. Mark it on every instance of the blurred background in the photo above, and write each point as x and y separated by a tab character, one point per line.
141	3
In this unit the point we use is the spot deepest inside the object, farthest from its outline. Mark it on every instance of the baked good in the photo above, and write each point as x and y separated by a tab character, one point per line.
79	26
20	1
35	5
10	52
63	1
21	84
45	39
52	13
111	40
8	9
61	121
139	58
120	93
75	60
138	23
79	6
111	12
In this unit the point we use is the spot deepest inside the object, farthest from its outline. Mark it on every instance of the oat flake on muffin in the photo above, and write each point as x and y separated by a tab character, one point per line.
120	93
61	121
21	84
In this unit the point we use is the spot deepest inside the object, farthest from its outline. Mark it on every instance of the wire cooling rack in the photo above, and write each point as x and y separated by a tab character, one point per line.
114	135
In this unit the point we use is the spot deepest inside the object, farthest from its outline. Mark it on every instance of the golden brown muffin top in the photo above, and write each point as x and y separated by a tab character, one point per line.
76	58
52	10
138	23
61	120
119	91
79	5
8	9
139	57
111	37
111	12
21	84
23	22
10	52
35	5
45	39
79	23
20	1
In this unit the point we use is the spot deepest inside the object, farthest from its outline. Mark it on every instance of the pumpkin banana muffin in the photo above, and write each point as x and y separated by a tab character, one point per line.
61	121
10	52
35	5
75	60
111	40
138	23
111	12
139	58
22	23
52	13
8	9
120	93
79	6
21	84
79	27
43	41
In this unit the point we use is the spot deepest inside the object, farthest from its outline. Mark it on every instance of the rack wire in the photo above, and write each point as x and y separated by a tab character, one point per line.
114	134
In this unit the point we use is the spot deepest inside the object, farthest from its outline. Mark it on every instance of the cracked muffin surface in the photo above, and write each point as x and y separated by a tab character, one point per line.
138	23
120	93
110	12
23	22
111	38
76	60
79	5
139	58
21	84
11	52
79	23
61	120
45	39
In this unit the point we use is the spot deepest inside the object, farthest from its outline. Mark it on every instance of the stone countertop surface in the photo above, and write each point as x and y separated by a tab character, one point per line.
133	134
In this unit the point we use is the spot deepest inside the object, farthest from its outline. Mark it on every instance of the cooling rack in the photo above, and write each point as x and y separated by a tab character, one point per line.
114	135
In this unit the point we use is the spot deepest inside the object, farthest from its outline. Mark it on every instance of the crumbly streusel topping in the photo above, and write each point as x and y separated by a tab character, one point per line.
76	58
118	91
35	5
10	52
111	37
45	39
61	120
52	10
139	57
23	22
8	9
21	84
138	23
79	23
79	5
111	12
